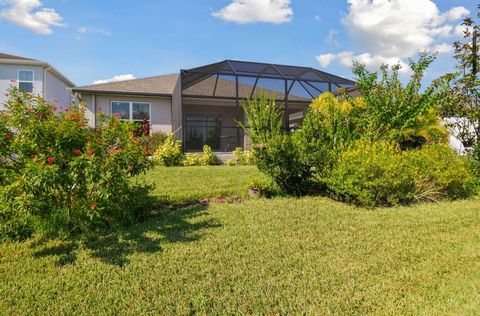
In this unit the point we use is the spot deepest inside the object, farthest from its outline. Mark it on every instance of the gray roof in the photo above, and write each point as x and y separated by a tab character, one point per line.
8	56
158	85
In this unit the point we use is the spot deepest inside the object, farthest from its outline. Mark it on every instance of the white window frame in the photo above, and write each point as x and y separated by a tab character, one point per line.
130	109
32	82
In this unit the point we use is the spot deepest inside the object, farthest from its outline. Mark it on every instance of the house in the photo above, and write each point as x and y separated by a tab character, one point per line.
33	76
203	105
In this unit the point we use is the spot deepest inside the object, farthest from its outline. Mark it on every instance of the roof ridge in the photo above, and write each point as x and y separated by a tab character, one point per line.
128	80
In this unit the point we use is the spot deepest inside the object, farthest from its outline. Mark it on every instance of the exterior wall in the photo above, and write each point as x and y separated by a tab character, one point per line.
10	72
160	109
57	89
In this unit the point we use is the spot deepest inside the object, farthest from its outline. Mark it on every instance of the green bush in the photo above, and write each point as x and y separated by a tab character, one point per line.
439	173
379	174
327	128
155	141
372	174
282	161
208	158
58	176
170	153
244	157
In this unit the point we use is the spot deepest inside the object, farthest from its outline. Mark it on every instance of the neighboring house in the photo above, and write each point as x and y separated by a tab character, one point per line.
203	105
33	76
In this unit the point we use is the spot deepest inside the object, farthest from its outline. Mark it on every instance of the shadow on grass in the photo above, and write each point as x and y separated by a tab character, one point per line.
175	225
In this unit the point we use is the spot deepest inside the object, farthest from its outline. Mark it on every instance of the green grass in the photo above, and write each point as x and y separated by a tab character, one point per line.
280	256
181	184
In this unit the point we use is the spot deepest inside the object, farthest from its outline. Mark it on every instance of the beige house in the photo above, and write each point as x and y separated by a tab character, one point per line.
34	76
203	105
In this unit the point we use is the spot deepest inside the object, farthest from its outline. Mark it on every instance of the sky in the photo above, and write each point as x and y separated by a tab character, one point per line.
98	41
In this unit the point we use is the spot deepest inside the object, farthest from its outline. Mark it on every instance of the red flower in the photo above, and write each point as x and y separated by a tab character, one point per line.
50	160
93	206
13	80
54	108
90	152
8	136
77	151
33	156
55	101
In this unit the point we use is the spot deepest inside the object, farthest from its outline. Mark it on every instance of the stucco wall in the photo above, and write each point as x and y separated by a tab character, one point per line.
57	90
10	72
161	108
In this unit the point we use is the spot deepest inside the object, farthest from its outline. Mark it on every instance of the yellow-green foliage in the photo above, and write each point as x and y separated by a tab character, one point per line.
170	153
372	174
208	158
439	173
379	174
244	157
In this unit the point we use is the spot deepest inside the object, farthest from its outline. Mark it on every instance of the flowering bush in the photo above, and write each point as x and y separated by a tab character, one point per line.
170	153
58	176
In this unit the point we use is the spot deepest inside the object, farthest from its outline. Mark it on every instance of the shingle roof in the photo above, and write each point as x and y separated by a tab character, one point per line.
8	56
158	85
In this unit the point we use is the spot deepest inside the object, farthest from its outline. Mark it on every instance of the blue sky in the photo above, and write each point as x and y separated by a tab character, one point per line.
91	40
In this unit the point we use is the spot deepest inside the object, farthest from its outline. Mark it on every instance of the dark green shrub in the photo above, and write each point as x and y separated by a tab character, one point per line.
58	176
282	161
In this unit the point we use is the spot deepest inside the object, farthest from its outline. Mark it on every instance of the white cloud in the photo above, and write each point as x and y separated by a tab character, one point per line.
332	37
326	59
31	14
251	11
83	31
115	79
391	31
442	48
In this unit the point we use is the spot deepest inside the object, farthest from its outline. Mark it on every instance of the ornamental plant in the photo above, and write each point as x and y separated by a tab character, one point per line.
170	153
59	177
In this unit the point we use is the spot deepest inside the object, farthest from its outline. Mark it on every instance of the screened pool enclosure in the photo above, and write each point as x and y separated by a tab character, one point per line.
212	95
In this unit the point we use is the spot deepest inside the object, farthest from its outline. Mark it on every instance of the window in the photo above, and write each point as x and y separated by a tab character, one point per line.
131	111
25	80
202	130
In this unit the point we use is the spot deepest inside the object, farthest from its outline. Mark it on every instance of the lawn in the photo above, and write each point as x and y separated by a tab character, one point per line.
279	256
181	184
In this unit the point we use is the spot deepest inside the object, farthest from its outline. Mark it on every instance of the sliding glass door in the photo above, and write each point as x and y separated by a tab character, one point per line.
202	129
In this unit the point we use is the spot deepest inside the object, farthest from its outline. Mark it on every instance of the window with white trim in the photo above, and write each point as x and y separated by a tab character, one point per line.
25	80
131	111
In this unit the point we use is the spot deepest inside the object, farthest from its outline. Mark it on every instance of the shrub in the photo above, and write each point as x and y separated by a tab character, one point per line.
244	157
262	187
282	161
264	119
439	173
327	128
170	153
208	158
155	140
372	174
61	177
379	174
